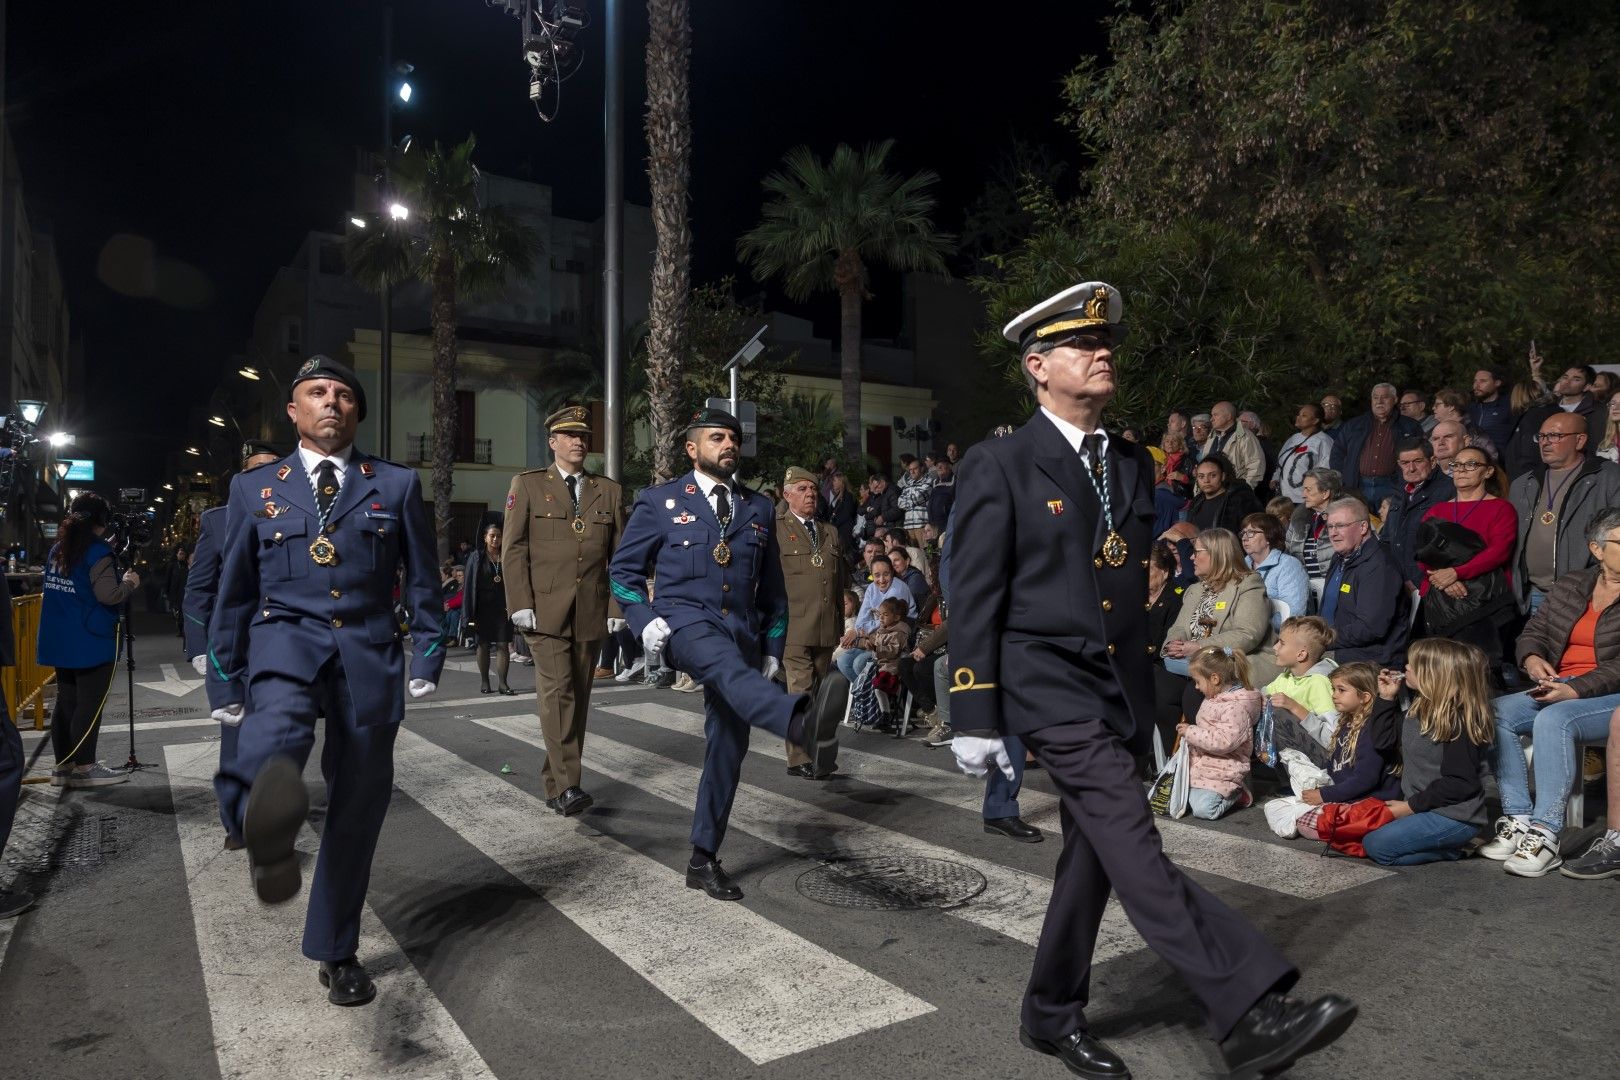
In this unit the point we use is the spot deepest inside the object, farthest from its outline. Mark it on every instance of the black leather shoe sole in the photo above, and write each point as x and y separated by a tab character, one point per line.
1012	832
359	991
1330	1024
1041	1046
276	808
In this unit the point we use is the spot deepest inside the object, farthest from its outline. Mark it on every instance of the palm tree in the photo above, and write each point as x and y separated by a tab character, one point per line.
669	151
826	223
463	250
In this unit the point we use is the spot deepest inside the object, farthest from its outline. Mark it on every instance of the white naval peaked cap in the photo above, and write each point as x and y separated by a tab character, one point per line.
1092	305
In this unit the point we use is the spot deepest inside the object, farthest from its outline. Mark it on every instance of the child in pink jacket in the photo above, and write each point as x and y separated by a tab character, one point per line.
1222	740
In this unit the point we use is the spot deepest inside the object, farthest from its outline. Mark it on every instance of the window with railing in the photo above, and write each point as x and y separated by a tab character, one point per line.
419	450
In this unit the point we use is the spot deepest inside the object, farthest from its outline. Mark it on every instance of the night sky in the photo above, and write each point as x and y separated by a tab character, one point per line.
178	151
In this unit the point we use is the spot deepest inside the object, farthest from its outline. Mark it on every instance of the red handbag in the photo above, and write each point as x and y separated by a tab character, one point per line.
886	681
1343	825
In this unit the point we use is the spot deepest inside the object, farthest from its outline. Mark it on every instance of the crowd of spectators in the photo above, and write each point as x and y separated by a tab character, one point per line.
1475	535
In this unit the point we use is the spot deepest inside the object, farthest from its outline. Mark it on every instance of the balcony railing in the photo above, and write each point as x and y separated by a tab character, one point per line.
419	450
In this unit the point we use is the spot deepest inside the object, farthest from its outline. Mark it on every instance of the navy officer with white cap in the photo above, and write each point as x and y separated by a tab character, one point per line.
1049	564
304	626
719	614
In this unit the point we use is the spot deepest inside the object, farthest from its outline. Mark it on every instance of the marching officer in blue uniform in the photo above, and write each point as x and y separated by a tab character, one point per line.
304	626
720	615
202	588
1049	571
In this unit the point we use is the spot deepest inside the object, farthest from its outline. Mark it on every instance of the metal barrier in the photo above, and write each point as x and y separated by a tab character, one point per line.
25	683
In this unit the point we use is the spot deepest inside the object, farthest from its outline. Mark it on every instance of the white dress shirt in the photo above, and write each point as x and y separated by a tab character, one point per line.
312	461
1076	436
707	484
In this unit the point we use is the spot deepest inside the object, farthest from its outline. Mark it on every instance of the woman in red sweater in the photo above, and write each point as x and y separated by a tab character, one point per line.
1482	507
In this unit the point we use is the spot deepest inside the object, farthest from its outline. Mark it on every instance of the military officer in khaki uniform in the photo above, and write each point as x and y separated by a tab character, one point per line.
814	565
562	525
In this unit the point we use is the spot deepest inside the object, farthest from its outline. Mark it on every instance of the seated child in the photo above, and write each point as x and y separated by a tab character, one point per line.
1300	700
1222	739
892	637
1364	751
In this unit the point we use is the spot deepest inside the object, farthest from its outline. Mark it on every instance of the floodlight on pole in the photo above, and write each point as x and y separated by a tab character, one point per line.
357	221
60	439
745	355
399	211
405	92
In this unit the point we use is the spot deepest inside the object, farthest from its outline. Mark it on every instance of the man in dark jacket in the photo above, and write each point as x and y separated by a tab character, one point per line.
881	508
1556	501
1491	411
942	495
1363	599
1365	455
1570	395
1422	486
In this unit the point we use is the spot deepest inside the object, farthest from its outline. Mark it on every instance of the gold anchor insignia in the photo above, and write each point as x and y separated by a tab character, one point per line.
964	679
1097	306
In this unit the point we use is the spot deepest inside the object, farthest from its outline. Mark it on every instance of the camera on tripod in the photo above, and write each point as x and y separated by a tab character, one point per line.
128	526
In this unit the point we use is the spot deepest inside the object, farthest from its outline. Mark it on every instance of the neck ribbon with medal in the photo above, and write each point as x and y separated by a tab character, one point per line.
1547	514
1114	548
321	549
722	550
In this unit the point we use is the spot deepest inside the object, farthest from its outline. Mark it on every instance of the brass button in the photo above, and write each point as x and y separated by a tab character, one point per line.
277	537
1144	564
338	623
330	529
382	530
267	613
1110	648
725	611
1108	605
1097	562
725	588
1152	649
336	594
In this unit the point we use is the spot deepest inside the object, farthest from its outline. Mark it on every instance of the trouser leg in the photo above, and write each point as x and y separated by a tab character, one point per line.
86	718
725	743
804	666
1224	960
556	696
229	734
1060	981
279	722
1000	793
728	665
12	764
67	698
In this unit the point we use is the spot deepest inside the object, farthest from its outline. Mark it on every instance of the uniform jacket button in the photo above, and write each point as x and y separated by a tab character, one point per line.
338	623
277	537
1108	605
1097	562
725	611
725	588
1110	648
267	613
336	594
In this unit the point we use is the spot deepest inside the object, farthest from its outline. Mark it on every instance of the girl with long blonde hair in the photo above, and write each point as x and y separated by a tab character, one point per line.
1363	760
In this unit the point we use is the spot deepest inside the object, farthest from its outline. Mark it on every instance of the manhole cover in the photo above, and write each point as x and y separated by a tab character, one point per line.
91	842
891	883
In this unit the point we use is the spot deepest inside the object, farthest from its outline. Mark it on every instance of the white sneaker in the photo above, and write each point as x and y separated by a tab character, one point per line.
631	672
1509	831
1536	855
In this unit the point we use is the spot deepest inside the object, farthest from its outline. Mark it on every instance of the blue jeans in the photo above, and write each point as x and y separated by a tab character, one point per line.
1536	599
1420	838
1176	666
851	663
1554	730
1209	805
1375	489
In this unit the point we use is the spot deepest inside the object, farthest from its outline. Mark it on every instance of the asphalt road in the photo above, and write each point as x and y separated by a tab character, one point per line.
508	942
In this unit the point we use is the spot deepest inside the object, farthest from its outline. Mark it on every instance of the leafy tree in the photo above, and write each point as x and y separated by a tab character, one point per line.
462	249
1441	173
669	152
826	223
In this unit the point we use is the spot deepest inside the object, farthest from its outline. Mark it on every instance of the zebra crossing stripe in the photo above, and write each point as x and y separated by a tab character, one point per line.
270	1016
756	993
1013	903
1293	870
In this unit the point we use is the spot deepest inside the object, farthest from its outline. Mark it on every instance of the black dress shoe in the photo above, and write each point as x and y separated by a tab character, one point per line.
1014	828
276	807
1084	1055
572	801
802	770
713	880
347	982
508	691
554	803
1279	1031
233	843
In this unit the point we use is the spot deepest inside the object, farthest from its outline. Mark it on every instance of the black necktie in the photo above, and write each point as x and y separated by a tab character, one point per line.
573	491
810	527
1094	444
326	487
722	505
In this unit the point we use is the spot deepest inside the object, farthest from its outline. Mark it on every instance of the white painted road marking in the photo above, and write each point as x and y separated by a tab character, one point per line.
172	683
768	993
1013	903
270	1016
1295	871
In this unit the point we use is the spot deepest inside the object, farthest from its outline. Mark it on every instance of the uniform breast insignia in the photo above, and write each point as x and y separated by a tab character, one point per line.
579	526
272	510
964	679
691	489
376	506
323	551
511	500
284	472
265	493
1114	549
683	518
722	553
1055	506
669	504
366	470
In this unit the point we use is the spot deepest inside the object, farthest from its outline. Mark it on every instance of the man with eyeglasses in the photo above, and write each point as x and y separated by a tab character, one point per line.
1422	486
1415	407
1571	394
1556	500
1364	598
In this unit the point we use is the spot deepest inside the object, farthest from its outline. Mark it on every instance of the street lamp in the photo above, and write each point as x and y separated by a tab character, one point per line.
217	421
357	221
59	439
31	411
62	469
193	451
399	211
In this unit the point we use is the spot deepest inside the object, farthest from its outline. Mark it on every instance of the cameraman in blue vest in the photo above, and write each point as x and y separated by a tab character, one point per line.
78	636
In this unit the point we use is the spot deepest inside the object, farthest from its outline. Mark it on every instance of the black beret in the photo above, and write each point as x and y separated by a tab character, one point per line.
255	447
716	418
324	367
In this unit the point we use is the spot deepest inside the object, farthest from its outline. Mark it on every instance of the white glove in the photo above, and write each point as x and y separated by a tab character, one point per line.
769	666
421	688
199	664
974	755
655	635
615	625
524	620
230	715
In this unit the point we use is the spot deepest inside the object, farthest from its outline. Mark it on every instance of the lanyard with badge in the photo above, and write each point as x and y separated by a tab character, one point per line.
1114	548
321	549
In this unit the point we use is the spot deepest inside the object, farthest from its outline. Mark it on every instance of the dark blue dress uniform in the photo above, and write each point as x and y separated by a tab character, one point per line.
1048	644
202	589
291	638
723	619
